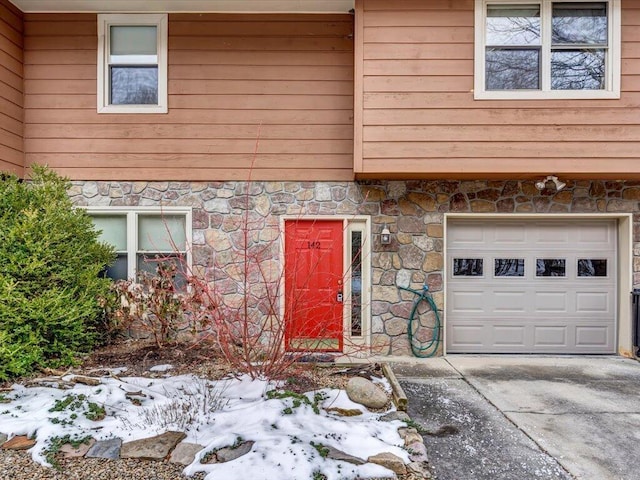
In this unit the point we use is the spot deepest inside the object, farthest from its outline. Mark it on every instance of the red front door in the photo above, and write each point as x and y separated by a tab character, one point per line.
313	285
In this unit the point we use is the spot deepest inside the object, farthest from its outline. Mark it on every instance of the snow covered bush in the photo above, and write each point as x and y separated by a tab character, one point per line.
50	282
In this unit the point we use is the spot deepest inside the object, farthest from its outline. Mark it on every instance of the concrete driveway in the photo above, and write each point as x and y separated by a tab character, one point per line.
527	417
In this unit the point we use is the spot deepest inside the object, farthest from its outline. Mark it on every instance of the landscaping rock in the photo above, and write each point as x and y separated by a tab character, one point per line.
417	452
19	442
91	381
365	392
228	454
404	431
392	416
419	469
390	461
185	453
69	451
336	454
344	412
413	437
152	448
106	449
3	438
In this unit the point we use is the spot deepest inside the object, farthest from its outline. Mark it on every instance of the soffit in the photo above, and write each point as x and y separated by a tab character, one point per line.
241	6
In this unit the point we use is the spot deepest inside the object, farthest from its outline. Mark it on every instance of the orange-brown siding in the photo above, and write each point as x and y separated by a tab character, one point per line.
278	84
11	90
420	118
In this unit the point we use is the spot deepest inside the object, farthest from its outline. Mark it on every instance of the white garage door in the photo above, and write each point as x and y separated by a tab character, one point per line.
522	286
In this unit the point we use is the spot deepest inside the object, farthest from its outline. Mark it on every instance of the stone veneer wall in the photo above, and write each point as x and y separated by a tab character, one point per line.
413	210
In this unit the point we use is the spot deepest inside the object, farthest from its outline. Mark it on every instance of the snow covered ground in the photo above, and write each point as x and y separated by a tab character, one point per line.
214	414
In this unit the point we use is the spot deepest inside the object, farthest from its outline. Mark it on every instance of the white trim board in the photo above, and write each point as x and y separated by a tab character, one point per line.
184	6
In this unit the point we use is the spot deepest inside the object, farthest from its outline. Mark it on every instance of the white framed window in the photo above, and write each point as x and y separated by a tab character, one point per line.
132	63
142	236
545	49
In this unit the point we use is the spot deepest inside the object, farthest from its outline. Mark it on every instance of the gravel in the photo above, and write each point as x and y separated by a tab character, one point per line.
19	466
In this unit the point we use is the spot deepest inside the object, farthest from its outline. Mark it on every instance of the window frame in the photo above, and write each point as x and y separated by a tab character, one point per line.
612	62
132	214
105	21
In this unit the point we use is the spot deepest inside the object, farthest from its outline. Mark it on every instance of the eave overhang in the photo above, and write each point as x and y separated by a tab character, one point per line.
184	6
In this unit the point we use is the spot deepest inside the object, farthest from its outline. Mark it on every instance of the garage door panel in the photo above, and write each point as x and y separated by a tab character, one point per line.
467	301
590	336
547	235
512	237
550	336
555	302
593	302
469	335
510	301
514	304
509	336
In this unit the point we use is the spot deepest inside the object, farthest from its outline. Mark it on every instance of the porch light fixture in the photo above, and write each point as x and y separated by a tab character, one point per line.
385	235
543	183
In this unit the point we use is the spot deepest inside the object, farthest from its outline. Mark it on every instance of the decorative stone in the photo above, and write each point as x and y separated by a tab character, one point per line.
69	451
458	203
227	454
413	437
419	469
395	327
412	256
344	412
386	294
482	206
390	461
393	416
407	208
505	205
489	194
19	442
365	392
218	240
105	449
417	452
90	189
3	438
402	311
217	205
185	453
335	454
152	448
411	225
435	230
423	200
433	262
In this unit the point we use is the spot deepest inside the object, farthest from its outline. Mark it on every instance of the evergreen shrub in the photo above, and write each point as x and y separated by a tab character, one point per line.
50	275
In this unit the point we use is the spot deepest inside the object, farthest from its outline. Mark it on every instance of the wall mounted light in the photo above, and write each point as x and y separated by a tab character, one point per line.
541	185
385	235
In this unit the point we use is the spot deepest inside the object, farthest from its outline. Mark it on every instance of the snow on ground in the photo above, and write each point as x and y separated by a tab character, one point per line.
214	414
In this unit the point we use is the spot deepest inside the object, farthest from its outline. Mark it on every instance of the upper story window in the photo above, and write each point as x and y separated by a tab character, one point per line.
546	49
132	63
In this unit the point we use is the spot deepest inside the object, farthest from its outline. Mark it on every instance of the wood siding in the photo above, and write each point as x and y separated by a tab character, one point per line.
278	84
420	118
11	90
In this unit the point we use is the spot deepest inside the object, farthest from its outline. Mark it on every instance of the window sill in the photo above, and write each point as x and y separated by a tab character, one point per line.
551	95
133	109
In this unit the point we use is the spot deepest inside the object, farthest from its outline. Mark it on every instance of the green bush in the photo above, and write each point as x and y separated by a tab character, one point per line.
50	283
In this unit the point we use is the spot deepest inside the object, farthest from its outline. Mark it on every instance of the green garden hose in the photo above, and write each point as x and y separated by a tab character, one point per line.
430	348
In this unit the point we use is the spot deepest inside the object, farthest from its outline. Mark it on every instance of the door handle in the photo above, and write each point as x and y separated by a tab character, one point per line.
339	296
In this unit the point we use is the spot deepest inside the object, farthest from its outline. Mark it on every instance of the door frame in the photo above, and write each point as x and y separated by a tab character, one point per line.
624	280
352	345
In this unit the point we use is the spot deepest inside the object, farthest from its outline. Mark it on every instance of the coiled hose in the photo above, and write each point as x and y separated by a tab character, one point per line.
430	348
